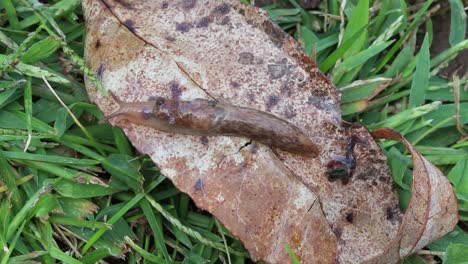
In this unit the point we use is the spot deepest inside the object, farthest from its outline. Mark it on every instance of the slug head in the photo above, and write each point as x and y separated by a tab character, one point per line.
134	112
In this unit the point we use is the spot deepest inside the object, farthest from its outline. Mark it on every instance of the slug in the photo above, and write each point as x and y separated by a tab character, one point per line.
212	118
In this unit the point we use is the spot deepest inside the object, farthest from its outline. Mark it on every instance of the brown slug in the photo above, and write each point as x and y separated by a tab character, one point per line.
212	118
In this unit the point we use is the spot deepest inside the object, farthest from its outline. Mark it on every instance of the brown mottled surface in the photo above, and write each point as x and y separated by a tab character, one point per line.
232	53
432	209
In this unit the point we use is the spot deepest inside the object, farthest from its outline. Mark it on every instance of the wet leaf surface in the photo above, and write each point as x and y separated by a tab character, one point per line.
233	53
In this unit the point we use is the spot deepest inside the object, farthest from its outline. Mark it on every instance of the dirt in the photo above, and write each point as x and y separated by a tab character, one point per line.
441	27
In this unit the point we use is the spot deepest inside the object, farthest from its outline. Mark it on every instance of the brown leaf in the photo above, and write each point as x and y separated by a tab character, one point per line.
432	210
233	53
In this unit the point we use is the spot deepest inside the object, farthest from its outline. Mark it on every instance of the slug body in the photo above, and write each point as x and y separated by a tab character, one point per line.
211	118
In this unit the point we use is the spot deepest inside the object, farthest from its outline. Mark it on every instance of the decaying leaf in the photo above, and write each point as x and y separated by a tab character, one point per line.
232	52
432	210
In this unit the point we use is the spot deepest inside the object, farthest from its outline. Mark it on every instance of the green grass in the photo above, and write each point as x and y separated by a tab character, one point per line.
47	216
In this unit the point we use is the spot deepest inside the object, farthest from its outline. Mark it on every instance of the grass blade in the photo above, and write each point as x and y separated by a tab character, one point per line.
410	29
330	61
457	22
421	76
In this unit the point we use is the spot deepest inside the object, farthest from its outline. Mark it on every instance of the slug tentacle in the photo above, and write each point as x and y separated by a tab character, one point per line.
120	110
211	118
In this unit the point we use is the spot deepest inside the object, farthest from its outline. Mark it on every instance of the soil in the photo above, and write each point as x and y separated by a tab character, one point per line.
441	27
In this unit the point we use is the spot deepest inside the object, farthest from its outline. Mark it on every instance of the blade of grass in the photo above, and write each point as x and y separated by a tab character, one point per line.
293	257
11	248
358	60
405	116
24	213
61	8
187	230
145	254
57	170
156	226
442	59
95	256
10	11
78	190
28	110
8	41
78	222
330	61
421	77
130	204
36	72
47	158
18	182
9	177
457	22
60	255
398	44
85	131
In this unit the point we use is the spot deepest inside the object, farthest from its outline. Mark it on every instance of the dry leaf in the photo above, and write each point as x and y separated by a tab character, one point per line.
432	210
233	53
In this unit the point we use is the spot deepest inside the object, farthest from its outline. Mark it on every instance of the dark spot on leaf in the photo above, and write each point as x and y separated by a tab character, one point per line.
277	71
242	12
338	232
183	27
189	4
222	9
199	185
389	213
276	34
212	103
272	102
321	103
225	20
101	70
234	84
246	58
124	3
251	96
242	166
286	89
204	140
289	113
204	22
350	217
393	213
164	5
176	91
98	44
129	24
384	179
254	148
314	100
